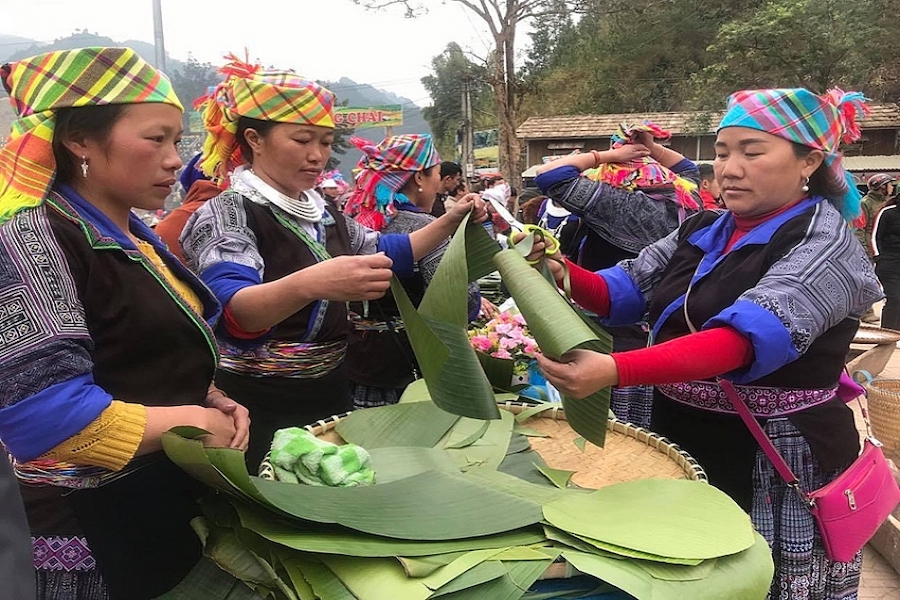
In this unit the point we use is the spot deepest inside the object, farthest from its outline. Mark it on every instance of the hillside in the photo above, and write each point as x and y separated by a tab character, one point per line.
349	92
361	94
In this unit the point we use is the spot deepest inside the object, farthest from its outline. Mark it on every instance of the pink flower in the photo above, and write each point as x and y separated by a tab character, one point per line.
501	354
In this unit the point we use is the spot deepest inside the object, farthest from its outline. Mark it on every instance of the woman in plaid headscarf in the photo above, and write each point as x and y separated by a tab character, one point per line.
282	261
105	336
396	187
626	198
767	294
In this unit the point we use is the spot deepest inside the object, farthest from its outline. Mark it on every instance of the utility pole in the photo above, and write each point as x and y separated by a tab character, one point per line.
468	150
159	43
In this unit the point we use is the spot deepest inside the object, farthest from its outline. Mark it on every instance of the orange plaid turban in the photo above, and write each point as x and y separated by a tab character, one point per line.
250	91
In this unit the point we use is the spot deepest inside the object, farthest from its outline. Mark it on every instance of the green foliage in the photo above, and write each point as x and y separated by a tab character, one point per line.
452	69
791	43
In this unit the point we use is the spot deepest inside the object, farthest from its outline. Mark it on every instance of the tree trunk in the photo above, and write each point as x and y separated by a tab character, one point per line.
504	83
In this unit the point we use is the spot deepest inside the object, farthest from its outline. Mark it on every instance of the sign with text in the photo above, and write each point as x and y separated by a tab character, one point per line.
357	117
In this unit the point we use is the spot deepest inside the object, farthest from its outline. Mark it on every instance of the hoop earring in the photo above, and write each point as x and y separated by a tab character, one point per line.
84	167
805	187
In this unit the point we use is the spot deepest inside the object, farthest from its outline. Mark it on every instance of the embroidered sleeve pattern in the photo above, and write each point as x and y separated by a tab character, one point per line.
45	362
630	220
646	270
825	278
219	233
363	241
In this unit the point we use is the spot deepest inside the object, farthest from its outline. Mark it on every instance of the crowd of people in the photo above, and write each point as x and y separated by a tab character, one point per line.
272	282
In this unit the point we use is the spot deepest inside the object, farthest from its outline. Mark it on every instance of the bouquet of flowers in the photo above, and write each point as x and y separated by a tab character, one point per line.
506	336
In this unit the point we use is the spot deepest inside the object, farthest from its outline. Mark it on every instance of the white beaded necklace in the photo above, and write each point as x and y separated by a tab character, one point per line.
248	183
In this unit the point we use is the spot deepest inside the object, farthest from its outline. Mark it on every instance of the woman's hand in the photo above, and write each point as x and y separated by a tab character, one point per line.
580	373
469	203
488	309
629	152
219	400
348	278
538	251
221	428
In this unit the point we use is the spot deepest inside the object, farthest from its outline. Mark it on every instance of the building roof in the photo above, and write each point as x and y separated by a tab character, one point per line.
882	116
890	163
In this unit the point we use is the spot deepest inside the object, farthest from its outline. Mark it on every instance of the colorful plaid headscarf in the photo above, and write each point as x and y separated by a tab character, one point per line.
646	172
40	85
819	122
250	91
383	171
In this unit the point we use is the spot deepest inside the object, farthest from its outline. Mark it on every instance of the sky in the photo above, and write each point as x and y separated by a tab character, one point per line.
320	39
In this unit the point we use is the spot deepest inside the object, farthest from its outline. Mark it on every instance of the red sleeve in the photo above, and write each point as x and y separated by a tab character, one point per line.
696	356
235	330
589	289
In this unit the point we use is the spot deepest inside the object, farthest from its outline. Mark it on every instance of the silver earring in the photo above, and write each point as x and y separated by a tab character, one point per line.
805	187
420	189
84	167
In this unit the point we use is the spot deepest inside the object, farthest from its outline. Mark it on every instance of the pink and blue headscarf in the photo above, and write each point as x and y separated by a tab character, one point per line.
383	170
819	122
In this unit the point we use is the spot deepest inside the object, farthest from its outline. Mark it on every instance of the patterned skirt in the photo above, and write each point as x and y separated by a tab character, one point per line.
65	569
364	396
632	404
802	571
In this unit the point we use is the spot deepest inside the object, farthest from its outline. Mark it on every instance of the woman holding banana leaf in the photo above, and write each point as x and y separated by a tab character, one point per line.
396	187
282	262
634	194
105	338
767	295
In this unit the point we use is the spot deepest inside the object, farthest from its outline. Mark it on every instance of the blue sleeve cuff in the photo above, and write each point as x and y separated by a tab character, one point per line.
226	279
547	180
627	304
685	164
477	309
75	403
772	344
397	247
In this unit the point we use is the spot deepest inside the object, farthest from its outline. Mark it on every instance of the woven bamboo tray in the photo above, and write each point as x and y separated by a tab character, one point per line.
630	452
883	402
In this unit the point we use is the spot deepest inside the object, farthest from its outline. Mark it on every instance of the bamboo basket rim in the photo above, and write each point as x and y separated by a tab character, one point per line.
872	334
653	450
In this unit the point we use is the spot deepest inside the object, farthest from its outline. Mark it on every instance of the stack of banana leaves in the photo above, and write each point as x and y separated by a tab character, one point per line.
461	506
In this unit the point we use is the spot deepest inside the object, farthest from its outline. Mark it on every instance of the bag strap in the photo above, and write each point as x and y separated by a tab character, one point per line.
761	438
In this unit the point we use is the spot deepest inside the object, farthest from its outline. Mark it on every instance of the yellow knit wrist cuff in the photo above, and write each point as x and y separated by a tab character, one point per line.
109	441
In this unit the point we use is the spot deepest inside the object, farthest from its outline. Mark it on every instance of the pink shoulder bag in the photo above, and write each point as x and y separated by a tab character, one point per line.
849	509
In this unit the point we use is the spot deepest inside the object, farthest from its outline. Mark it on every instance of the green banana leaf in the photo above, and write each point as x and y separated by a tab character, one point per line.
324	583
224	548
323	540
666	517
499	371
742	576
558	477
488	451
558	328
394	464
421	566
410	424
437	333
469	584
292	569
430	506
417	391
